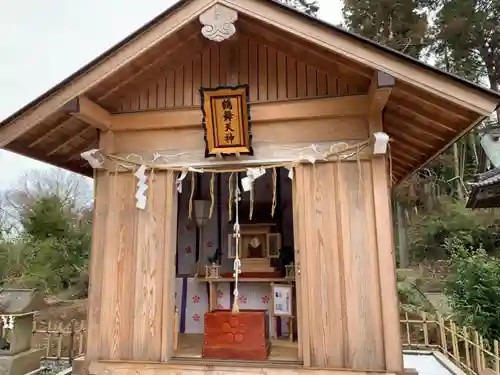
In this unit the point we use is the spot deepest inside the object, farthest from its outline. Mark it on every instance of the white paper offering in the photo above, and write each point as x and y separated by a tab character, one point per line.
282	297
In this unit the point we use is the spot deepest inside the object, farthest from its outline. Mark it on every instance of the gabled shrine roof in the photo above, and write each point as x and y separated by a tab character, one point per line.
428	110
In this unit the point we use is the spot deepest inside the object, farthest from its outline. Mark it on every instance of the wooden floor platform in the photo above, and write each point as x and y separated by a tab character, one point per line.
190	345
192	367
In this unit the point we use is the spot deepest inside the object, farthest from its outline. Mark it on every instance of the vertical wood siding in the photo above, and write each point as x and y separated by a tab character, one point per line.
339	257
270	73
133	255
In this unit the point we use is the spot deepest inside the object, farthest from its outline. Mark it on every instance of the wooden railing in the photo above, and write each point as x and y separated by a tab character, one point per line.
60	342
463	346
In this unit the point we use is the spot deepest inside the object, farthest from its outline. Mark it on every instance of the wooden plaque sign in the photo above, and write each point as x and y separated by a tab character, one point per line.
226	121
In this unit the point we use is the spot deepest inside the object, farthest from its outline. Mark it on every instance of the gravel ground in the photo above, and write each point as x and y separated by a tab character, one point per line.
53	367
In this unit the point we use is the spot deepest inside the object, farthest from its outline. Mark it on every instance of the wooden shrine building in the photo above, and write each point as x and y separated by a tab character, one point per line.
485	189
217	98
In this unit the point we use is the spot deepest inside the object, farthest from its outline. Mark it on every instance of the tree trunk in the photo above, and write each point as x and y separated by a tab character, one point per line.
456	170
494	87
473	149
404	258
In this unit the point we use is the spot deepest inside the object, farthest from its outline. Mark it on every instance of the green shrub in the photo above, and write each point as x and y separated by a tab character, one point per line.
429	232
473	289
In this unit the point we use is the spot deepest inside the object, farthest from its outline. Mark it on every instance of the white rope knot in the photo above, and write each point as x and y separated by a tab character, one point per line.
236	229
237	268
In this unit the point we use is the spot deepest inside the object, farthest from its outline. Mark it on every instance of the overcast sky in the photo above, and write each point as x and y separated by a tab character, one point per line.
43	42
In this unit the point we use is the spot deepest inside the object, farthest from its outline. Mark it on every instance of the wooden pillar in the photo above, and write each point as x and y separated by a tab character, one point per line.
169	250
96	256
342	248
132	279
387	264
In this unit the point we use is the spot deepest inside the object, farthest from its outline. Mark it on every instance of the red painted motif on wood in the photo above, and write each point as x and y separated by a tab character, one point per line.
243	336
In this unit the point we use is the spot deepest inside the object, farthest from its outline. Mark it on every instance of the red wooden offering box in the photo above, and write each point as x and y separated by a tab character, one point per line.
243	336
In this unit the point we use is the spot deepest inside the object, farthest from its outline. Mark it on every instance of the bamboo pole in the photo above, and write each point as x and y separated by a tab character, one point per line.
454	341
407	325
442	331
477	352
497	356
467	348
81	337
59	336
483	360
49	339
71	341
425	329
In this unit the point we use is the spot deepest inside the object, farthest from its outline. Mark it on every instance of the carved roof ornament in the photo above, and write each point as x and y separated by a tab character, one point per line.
218	23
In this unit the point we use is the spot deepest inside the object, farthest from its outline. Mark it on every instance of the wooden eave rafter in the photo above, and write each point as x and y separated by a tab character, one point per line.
418	102
409	126
403	109
78	135
89	112
52	132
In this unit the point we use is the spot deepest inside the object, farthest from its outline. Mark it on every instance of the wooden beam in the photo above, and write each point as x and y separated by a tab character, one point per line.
405	124
405	106
396	159
89	112
70	140
52	131
406	140
380	90
409	158
398	168
278	111
431	103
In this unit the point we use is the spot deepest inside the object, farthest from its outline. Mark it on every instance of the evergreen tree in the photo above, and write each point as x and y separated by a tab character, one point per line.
309	7
398	24
56	245
467	39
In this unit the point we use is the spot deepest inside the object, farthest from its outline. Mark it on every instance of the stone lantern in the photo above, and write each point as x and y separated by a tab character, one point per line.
17	310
